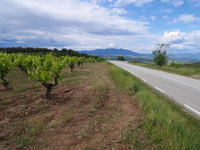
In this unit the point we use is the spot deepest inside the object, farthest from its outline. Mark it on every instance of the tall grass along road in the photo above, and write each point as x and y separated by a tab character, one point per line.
183	90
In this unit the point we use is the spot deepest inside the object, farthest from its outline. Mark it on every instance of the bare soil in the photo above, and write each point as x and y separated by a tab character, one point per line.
87	111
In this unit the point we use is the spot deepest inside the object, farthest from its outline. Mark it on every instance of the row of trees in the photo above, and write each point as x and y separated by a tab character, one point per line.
45	69
43	51
23	50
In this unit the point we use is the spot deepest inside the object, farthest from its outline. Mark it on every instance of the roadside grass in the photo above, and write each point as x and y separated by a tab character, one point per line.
166	125
185	70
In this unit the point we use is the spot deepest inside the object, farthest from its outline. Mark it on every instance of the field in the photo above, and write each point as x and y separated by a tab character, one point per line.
95	107
87	112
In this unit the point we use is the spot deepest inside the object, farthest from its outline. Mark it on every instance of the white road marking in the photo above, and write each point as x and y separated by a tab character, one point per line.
144	80
159	90
195	111
192	109
169	78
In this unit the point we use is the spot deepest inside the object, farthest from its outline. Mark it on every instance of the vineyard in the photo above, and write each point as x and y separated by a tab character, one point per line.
41	68
68	103
86	110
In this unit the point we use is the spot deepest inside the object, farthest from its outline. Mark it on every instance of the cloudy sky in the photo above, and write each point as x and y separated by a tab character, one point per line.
137	25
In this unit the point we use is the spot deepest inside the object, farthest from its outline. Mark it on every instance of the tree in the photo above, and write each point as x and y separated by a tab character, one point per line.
160	53
55	50
120	58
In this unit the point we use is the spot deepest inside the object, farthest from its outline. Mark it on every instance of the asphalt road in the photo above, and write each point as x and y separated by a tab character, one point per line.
183	90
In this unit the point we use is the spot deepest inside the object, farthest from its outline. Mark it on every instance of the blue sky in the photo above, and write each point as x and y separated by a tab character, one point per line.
137	25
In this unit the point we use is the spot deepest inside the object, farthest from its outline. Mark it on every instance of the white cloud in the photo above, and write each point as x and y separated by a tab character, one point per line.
153	17
70	22
186	18
118	11
137	3
89	24
181	40
175	3
173	37
165	17
111	45
195	2
164	10
165	0
143	17
194	36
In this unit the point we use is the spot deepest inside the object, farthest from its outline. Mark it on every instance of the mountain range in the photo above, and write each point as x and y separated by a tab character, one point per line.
125	52
110	51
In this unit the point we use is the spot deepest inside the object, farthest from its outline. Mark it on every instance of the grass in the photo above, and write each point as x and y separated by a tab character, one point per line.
24	140
25	132
5	103
165	124
67	115
129	136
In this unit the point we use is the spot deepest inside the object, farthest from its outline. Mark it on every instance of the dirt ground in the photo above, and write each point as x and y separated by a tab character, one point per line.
87	111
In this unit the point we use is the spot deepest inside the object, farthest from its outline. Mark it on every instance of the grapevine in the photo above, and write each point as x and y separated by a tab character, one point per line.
5	66
71	61
47	68
80	61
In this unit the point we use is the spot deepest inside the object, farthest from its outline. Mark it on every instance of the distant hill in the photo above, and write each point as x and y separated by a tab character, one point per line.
185	55
110	51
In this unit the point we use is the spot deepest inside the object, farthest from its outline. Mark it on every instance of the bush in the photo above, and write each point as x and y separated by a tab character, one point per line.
175	65
120	58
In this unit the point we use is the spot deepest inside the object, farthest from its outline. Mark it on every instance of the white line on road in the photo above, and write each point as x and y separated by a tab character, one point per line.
192	109
159	90
168	78
144	80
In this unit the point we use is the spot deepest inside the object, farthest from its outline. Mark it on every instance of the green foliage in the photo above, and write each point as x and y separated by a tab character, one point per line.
129	137
121	58
136	87
100	59
44	68
6	65
25	62
136	61
166	123
27	132
175	65
91	59
24	141
44	51
160	57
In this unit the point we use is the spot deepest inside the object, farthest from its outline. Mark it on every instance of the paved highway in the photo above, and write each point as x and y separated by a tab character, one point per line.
183	90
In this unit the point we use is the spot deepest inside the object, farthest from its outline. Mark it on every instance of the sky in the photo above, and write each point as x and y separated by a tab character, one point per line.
136	25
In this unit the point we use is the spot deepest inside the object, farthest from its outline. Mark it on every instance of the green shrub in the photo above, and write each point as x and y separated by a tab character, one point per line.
175	65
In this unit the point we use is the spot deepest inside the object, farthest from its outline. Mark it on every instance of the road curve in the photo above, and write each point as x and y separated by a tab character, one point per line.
183	90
